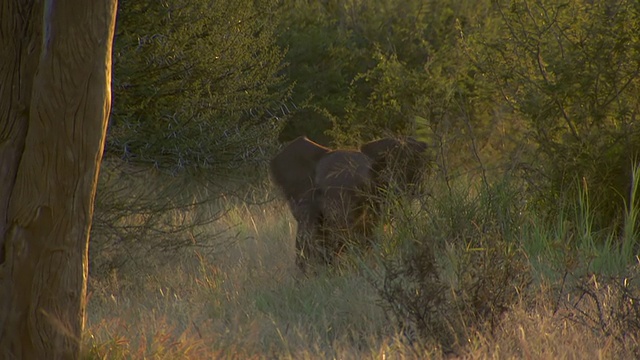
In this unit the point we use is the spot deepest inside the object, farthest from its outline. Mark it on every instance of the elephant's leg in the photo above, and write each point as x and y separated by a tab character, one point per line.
306	249
333	229
309	220
327	247
303	242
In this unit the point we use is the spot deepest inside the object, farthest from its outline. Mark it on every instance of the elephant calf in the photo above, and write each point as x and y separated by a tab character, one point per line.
332	193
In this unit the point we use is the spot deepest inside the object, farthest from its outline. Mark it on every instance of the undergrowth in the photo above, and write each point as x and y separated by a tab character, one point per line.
471	271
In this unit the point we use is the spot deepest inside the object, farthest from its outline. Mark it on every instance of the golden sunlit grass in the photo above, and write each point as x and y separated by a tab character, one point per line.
239	296
247	300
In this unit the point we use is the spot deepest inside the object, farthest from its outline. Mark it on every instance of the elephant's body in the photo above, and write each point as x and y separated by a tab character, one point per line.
332	193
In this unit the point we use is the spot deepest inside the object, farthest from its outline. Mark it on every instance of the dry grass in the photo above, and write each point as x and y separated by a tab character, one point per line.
246	301
552	328
239	296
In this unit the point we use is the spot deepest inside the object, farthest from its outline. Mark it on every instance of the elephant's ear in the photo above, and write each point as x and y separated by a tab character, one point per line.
293	169
416	161
396	161
380	151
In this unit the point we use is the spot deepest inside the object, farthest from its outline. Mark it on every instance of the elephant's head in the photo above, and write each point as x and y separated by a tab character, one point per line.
343	179
328	190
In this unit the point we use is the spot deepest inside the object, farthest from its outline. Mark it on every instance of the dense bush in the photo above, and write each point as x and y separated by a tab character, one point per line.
417	73
196	84
324	56
367	69
570	71
455	268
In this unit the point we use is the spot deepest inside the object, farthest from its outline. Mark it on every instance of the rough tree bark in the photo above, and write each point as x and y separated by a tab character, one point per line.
55	97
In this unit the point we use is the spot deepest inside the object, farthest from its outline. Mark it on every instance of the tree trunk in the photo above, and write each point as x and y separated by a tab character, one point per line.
55	79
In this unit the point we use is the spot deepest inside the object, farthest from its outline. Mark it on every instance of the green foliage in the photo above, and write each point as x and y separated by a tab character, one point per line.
194	83
418	70
571	71
570	242
365	69
324	56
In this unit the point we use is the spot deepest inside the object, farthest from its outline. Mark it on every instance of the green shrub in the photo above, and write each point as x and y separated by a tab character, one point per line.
196	84
456	269
570	71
